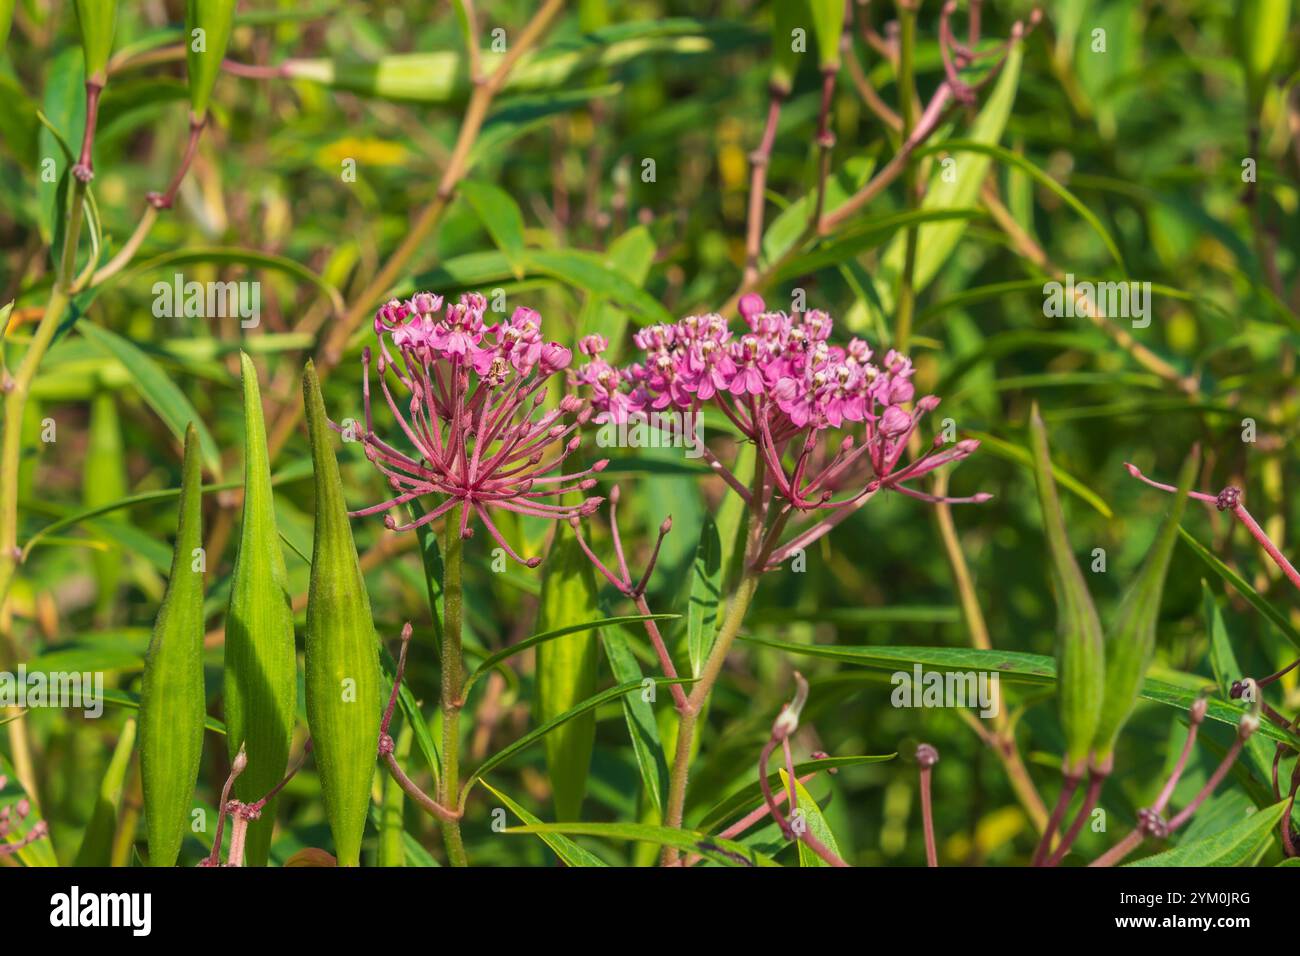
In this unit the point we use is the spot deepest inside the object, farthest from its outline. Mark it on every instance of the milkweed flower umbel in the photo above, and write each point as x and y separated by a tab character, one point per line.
786	387
475	419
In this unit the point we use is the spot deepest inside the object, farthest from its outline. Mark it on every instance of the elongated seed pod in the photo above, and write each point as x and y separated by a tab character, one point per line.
261	683
342	651
1131	639
208	24
828	24
1080	655
171	701
98	21
1261	32
788	16
566	671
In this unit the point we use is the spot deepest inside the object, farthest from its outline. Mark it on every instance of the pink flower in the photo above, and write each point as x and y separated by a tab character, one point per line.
478	433
784	386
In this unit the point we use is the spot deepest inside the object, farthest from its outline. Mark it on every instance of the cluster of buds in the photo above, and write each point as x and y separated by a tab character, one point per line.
475	420
786	387
11	818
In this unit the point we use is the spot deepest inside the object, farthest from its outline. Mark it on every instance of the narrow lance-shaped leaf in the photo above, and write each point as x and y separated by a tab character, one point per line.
1080	655
97	842
97	20
171	700
6	20
706	592
814	820
208	24
261	684
342	654
1131	638
566	671
1241	844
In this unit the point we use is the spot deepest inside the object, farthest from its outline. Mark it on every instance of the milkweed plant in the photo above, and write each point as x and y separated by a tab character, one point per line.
538	443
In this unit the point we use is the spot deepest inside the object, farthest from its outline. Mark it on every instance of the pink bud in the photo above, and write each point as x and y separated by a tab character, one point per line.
751	303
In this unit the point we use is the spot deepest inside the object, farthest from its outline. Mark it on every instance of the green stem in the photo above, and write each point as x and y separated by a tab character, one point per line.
17	388
452	665
736	610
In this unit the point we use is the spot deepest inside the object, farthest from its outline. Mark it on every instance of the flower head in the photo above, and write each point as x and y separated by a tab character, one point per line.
478	432
784	385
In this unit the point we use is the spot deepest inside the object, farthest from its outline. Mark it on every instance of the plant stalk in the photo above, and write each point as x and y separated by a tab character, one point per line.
452	665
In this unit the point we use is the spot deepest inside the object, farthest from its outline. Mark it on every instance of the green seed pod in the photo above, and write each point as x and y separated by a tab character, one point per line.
828	24
1131	638
98	21
1080	655
1261	31
171	701
261	681
788	17
208	24
105	482
344	698
566	671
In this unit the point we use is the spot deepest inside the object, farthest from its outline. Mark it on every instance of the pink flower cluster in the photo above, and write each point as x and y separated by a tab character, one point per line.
475	415
784	385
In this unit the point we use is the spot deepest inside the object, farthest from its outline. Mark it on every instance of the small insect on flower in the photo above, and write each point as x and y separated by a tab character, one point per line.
475	417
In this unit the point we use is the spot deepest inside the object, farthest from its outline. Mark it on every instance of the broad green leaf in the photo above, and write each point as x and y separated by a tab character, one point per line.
344	699
172	708
261	664
1018	667
158	390
1240	845
566	670
715	849
500	216
570	853
706	593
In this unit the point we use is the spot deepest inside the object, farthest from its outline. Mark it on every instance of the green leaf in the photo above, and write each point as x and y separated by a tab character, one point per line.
261	664
159	391
936	242
501	217
495	659
539	732
714	849
566	670
1019	667
814	820
750	795
97	841
570	853
172	706
1242	844
1223	662
40	852
97	20
706	592
223	255
1243	587
642	727
1009	451
344	699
